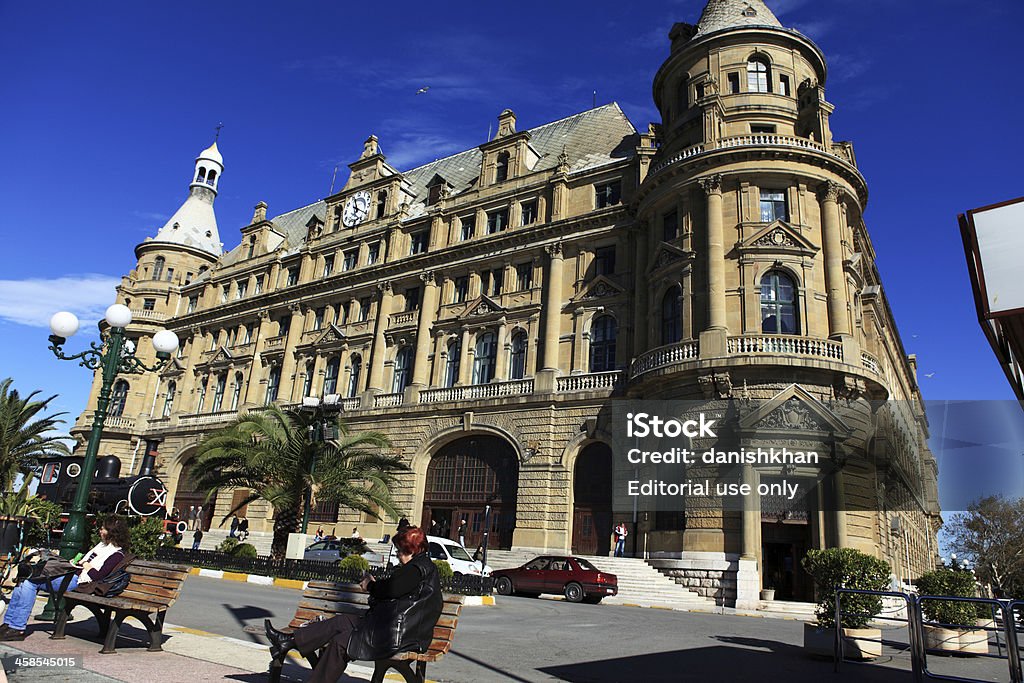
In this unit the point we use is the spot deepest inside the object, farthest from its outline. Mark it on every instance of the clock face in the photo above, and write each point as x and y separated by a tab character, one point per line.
357	208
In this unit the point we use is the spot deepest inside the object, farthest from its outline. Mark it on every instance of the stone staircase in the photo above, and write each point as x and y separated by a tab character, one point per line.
214	537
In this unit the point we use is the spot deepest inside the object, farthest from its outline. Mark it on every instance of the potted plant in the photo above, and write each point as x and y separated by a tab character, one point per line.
951	631
834	568
768	592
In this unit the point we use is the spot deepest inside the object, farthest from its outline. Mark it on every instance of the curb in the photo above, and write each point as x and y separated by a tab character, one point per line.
471	600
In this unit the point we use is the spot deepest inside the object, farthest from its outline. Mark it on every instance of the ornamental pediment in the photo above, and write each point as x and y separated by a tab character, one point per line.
600	287
332	335
668	254
173	369
795	409
779	236
483	305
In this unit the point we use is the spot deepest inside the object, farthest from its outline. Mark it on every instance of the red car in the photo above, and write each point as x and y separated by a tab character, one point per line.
573	577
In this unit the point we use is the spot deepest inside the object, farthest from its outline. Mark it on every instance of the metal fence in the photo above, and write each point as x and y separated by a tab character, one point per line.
306	570
1004	612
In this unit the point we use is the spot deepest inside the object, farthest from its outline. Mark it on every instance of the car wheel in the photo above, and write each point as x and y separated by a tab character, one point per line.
457	575
503	585
573	592
593	599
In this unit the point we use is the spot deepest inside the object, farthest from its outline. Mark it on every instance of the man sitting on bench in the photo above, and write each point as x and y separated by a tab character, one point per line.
403	611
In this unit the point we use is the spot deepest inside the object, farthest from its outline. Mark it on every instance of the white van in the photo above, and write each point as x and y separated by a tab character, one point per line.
454	554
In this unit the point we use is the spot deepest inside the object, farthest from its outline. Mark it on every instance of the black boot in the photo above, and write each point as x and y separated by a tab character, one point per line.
280	642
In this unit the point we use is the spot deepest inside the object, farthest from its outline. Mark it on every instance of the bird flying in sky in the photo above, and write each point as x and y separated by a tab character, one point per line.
423	90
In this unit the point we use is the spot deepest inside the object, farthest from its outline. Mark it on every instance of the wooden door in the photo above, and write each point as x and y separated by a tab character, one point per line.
584	532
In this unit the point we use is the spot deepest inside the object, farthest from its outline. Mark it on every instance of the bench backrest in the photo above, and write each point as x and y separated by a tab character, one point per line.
155	583
326	598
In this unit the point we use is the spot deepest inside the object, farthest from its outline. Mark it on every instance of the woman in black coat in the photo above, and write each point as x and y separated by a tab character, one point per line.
403	611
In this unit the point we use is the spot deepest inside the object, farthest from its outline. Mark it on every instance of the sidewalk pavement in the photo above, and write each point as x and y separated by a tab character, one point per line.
189	656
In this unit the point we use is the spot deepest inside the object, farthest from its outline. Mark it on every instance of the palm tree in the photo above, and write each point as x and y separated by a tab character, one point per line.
274	455
23	436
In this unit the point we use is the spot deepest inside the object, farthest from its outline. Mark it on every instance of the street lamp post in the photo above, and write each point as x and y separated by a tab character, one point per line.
113	355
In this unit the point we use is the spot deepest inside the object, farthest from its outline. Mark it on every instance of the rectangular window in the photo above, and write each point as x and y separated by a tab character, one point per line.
496	279
349	262
364	309
670	226
700	91
373	254
148	304
240	288
784	85
773	206
461	289
188	278
318	318
170	274
497	221
193	301
328	265
529	212
293	276
418	243
412	299
259	285
224	294
734	83
232	333
468	227
524	276
762	129
247	337
607	194
604	260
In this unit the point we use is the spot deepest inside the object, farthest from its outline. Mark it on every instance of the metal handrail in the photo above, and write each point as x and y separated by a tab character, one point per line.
913	634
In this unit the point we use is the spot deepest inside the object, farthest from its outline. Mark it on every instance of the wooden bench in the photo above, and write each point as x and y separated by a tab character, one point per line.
326	599
154	587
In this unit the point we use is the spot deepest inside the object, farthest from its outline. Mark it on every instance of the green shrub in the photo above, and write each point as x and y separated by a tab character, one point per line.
227	545
243	550
46	515
949	582
443	569
846	568
354	563
147	534
351	546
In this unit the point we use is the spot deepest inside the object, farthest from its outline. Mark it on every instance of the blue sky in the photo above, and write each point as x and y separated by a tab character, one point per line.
105	106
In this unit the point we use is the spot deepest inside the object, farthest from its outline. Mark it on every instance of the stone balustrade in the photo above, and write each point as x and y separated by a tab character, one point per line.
785	344
477	391
273	343
663	356
589	382
144	314
870	362
387	400
402	319
755	140
196	419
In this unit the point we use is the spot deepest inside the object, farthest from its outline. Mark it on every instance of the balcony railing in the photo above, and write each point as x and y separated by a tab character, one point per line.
387	400
350	403
146	314
194	419
590	382
273	343
787	345
403	318
662	356
477	391
754	140
118	422
869	362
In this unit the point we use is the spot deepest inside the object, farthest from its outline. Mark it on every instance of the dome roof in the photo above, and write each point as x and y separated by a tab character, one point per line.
212	153
723	14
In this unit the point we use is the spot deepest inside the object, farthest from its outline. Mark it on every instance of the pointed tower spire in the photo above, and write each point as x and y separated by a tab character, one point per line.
194	224
722	14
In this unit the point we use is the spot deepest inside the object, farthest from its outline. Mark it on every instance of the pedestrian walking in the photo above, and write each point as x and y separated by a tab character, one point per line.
234	527
462	532
319	536
355	533
243	529
620	539
191	517
197	538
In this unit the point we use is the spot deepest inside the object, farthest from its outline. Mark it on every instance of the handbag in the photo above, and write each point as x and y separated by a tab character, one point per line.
113	584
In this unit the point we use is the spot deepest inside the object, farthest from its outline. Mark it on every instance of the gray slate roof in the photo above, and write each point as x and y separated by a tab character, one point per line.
723	14
591	139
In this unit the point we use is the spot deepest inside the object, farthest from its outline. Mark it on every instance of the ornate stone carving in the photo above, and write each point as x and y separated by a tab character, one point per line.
665	257
427	277
849	388
776	238
601	290
792	414
369	147
563	162
554	250
711	184
829	192
384	288
716	385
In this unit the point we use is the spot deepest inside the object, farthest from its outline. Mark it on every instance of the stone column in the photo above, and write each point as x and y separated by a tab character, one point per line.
579	365
553	306
188	402
501	357
295	326
379	340
439	358
252	391
712	186
835	278
640	311
428	309
465	374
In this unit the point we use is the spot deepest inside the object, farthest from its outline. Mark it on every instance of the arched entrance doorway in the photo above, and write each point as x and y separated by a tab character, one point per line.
592	501
462	478
187	495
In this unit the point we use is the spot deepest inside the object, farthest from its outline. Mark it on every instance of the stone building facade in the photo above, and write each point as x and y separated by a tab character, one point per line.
483	310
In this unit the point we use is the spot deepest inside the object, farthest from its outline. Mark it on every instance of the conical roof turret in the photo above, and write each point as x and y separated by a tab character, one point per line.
194	224
719	15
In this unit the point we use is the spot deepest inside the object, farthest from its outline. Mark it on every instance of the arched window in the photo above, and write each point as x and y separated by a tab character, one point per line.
403	369
118	398
602	344
683	95
517	358
355	367
331	376
172	389
307	381
158	267
451	375
211	177
501	170
486	354
273	384
201	175
778	304
759	75
236	391
218	393
672	316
